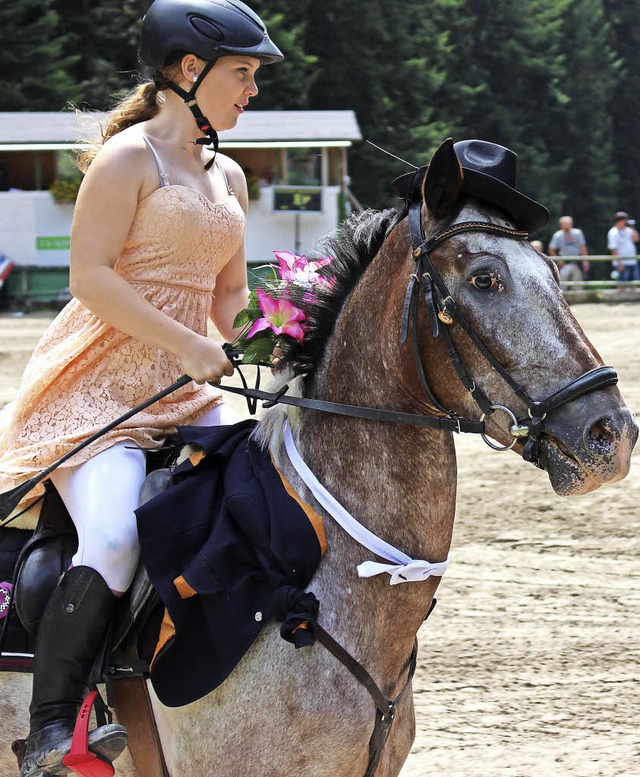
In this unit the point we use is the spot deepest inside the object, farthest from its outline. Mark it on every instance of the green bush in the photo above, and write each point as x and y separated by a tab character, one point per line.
65	188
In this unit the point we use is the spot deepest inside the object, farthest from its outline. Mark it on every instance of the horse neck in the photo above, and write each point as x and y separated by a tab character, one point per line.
398	481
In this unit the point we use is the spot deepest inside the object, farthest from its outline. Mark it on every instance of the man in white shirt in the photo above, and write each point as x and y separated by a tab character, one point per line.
621	241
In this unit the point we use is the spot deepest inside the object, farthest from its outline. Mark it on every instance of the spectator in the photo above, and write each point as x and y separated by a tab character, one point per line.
569	241
621	241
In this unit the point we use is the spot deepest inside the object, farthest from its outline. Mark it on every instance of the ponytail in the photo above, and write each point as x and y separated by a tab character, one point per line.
139	105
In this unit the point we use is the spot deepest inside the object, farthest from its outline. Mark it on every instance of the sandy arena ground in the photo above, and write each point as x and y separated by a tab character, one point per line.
529	664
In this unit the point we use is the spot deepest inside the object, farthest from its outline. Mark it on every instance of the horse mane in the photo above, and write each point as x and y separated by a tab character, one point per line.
353	246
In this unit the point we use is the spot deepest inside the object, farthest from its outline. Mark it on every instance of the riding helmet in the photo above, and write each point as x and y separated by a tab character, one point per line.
207	28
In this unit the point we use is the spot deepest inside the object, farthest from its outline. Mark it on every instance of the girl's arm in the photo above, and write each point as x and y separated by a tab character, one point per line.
231	292
107	201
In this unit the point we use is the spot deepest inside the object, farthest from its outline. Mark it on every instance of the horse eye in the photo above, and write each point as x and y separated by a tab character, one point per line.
484	282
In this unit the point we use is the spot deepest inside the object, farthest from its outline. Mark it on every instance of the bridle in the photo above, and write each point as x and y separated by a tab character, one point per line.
426	284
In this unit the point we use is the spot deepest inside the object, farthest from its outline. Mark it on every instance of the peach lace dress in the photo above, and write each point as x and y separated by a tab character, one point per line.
84	373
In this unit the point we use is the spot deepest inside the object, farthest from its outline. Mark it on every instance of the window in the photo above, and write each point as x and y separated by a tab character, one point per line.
303	167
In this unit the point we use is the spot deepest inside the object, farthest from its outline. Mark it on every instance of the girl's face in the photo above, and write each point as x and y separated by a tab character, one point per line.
227	89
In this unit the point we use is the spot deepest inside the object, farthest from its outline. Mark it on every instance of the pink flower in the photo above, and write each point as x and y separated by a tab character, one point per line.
280	315
298	269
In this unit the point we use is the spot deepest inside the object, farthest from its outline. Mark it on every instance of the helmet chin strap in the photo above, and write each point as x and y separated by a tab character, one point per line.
190	101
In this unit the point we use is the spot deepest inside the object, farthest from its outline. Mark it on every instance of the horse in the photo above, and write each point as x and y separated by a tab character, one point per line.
444	313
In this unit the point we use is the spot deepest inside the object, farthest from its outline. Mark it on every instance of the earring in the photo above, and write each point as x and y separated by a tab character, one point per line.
194	79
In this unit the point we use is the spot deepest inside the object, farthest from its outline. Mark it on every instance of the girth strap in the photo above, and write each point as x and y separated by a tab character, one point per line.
385	708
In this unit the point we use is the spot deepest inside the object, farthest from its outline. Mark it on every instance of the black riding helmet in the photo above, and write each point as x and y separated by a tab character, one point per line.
210	29
207	28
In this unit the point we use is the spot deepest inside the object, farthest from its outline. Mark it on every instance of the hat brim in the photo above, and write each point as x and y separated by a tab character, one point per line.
527	214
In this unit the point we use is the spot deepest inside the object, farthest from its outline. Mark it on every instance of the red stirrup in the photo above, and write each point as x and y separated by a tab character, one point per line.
80	760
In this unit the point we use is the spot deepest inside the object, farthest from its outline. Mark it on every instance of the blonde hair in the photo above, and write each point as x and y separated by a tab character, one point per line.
139	105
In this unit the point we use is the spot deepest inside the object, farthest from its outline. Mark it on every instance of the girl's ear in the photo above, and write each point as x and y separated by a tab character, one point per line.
190	66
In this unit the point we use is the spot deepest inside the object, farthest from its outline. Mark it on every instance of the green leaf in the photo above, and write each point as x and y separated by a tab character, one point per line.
243	318
258	350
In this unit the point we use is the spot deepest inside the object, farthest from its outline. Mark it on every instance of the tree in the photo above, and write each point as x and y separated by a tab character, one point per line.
33	58
624	18
286	85
382	60
504	85
584	137
104	33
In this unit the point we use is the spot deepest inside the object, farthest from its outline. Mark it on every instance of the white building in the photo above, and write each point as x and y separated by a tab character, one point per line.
296	164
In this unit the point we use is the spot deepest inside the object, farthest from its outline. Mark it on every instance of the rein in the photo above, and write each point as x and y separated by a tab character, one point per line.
281	397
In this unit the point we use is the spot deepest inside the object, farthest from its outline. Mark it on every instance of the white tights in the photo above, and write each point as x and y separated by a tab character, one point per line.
101	496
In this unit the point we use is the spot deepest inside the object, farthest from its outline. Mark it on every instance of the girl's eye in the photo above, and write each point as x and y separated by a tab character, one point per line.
486	282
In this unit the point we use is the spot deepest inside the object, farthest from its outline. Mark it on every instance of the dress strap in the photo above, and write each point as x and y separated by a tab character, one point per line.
224	176
164	178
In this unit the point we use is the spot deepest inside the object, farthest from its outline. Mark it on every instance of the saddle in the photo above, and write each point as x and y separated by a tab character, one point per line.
31	564
241	538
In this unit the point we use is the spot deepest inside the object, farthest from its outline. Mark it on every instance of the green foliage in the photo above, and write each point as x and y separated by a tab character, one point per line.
383	60
624	101
286	85
555	80
64	188
105	35
34	58
504	84
584	124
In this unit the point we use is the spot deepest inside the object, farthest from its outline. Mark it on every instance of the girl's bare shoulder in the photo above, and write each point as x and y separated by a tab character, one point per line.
124	158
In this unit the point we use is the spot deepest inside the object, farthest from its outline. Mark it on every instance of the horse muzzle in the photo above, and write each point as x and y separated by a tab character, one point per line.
587	444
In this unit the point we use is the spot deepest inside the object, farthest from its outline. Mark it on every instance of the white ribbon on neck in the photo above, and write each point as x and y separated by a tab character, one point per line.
403	568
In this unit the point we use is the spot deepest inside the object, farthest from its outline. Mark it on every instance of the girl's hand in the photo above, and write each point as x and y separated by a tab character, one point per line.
205	361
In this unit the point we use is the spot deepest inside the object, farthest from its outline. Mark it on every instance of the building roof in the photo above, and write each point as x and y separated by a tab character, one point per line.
255	128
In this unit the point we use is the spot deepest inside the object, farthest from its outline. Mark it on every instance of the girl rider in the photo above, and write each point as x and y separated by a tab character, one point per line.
156	248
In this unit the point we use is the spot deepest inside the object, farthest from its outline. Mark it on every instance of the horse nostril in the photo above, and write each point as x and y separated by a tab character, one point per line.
600	437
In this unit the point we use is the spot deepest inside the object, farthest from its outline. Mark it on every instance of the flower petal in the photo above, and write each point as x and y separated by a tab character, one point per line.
316	264
258	325
268	305
293	330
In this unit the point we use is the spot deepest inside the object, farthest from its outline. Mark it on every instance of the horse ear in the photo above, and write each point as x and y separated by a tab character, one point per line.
443	181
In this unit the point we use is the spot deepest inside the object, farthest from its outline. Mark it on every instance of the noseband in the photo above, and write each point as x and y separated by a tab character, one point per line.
427	284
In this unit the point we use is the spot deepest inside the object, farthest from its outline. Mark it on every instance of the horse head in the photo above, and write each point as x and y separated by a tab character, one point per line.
444	308
495	336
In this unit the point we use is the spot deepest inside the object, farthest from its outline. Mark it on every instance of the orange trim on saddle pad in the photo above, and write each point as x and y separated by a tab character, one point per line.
167	628
167	632
196	457
183	588
312	515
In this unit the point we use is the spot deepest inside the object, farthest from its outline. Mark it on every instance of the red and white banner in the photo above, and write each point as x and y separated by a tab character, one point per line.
6	265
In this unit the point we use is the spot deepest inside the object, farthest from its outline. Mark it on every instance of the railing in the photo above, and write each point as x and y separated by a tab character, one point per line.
599	288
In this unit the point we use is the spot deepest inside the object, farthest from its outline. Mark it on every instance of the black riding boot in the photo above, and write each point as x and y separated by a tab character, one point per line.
72	629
